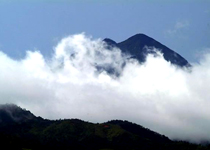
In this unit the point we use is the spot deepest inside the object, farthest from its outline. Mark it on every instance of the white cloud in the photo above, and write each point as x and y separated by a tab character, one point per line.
155	94
179	27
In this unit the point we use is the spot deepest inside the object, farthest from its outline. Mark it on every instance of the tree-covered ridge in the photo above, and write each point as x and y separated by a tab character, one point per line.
37	133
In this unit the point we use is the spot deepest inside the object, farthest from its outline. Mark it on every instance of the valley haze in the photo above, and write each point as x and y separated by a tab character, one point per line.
157	94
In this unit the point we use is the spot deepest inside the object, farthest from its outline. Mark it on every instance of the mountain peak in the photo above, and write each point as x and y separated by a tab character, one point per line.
135	46
139	35
10	113
110	43
108	40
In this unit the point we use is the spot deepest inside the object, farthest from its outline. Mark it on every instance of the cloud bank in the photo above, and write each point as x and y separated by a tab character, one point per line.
155	94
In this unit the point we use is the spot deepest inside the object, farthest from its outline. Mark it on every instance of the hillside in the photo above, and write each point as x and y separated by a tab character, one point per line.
36	133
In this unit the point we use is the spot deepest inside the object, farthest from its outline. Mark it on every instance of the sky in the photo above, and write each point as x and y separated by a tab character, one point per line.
49	52
183	26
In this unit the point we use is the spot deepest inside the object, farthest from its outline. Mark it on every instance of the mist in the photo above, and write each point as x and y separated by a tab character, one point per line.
155	94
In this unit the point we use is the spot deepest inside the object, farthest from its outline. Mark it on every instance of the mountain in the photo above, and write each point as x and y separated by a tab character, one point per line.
10	113
136	47
35	133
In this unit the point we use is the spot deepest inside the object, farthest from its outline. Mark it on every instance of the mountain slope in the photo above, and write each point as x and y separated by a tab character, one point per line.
11	113
39	134
136	47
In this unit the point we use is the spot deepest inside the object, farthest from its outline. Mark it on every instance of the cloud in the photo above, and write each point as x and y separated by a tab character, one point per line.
179	27
155	94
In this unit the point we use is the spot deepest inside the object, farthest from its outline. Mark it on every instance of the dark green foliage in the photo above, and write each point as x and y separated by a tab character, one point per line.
140	131
68	134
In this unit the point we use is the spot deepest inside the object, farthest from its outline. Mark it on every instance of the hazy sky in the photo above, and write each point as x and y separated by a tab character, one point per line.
183	26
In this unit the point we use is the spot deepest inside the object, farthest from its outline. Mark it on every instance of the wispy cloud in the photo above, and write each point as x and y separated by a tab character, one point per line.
178	28
181	25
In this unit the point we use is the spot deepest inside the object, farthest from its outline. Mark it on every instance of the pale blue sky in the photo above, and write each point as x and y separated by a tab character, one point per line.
183	26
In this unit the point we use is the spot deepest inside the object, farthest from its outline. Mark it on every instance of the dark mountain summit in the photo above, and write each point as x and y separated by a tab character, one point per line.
137	46
110	42
35	133
11	113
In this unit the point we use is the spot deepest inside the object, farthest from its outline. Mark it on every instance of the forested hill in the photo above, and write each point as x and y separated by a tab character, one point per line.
21	130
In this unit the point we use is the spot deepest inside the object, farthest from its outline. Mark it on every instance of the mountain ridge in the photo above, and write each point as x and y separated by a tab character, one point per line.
39	133
11	113
138	44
